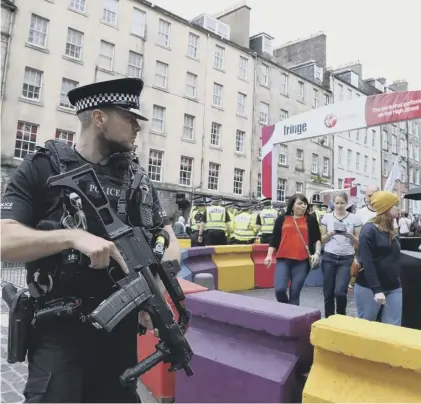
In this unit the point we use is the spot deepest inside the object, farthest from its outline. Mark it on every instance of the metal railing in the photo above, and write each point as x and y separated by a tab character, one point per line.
13	272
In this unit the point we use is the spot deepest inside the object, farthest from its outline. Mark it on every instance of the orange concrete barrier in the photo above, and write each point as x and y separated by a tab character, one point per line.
158	380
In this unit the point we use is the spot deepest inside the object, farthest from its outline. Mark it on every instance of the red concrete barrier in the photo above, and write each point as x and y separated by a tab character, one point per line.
158	380
263	276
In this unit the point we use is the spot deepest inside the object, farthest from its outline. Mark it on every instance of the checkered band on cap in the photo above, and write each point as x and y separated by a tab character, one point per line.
127	100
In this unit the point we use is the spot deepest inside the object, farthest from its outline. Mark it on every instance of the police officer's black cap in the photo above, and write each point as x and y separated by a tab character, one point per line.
245	205
121	93
227	204
266	201
199	201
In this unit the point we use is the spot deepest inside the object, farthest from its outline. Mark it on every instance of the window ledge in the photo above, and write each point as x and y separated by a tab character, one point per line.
190	98
37	48
240	154
243	79
84	14
168	48
154	132
219	69
66	110
33	102
219	148
217	107
241	116
104	70
109	24
165	90
143	37
70	59
193	58
188	140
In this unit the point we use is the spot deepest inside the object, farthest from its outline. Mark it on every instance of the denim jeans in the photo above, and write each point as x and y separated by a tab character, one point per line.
290	270
368	309
336	279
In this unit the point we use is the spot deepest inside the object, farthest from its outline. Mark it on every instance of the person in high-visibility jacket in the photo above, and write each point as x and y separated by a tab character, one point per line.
266	220
317	212
244	225
215	224
231	212
195	218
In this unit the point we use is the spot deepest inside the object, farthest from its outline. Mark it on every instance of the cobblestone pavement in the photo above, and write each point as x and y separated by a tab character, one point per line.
13	377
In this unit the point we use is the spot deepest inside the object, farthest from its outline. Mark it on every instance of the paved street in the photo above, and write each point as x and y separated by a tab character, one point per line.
13	377
310	297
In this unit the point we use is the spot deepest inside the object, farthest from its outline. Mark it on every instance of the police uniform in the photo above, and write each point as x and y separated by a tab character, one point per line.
216	220
195	218
266	220
69	360
317	212
244	230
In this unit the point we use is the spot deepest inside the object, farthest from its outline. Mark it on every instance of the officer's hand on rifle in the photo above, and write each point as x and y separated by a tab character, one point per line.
145	321
99	250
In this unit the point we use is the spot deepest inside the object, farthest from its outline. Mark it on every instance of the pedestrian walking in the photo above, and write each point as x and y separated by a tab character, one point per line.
378	283
340	230
297	241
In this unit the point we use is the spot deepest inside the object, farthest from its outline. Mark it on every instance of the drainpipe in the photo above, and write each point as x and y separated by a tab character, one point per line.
253	124
6	58
333	138
202	160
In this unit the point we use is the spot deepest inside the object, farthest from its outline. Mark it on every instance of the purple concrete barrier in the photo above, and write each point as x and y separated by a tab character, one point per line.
245	349
199	260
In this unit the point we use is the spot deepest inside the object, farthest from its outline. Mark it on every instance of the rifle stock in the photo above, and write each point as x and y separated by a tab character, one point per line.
139	289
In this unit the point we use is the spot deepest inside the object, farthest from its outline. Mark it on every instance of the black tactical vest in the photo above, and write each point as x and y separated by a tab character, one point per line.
115	178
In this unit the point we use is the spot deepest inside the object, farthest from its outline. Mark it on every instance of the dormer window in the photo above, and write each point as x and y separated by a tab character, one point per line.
318	73
267	44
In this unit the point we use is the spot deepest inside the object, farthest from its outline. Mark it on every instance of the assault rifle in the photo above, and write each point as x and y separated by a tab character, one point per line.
138	290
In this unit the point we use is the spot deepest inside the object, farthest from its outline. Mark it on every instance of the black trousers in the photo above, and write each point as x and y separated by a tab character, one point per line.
215	237
194	239
235	241
265	238
73	362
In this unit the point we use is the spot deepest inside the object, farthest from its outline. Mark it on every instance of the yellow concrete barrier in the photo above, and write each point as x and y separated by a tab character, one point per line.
235	267
184	242
363	361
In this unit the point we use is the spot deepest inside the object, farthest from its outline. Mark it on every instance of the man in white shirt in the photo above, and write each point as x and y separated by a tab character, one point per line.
368	212
404	225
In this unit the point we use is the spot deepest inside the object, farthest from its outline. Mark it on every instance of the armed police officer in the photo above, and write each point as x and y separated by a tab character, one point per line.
70	360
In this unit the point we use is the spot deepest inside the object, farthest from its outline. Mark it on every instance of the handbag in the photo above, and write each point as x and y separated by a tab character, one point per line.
305	244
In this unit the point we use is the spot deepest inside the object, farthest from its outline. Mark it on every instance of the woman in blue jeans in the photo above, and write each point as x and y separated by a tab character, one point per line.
296	238
340	230
378	283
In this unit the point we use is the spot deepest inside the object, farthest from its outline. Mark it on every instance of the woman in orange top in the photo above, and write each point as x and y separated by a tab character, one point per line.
297	240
